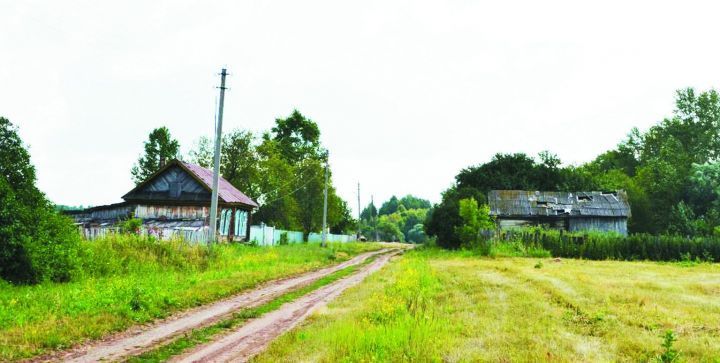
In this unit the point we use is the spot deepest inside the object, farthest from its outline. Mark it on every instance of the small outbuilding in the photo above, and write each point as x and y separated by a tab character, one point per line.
570	211
176	197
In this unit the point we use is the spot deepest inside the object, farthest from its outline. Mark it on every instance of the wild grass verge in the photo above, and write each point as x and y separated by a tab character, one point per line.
125	280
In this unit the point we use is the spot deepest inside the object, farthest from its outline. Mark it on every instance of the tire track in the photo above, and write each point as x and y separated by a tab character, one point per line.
253	337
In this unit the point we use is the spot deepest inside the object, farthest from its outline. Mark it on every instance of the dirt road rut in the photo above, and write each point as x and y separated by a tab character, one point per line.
253	337
136	341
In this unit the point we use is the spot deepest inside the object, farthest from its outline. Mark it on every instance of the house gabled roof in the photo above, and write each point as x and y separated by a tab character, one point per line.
201	185
522	203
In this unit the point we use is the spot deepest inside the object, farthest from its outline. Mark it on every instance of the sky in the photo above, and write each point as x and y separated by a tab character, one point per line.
406	93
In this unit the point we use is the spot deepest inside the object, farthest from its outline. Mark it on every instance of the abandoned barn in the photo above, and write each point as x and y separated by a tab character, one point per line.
578	211
177	198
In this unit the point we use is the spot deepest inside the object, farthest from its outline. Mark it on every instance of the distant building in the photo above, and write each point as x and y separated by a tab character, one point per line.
579	211
176	197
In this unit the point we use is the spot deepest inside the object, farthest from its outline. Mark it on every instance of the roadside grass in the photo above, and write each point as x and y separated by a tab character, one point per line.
126	280
204	335
435	305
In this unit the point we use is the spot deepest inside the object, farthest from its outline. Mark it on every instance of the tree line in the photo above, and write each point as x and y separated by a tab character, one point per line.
282	169
397	220
671	173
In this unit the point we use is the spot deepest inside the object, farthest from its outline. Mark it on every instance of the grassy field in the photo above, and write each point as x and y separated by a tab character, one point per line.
433	305
126	281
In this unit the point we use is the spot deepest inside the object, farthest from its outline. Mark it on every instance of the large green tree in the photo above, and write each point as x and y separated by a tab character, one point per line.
159	147
36	243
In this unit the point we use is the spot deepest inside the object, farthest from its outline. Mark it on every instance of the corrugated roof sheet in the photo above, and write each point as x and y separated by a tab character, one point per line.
523	203
227	192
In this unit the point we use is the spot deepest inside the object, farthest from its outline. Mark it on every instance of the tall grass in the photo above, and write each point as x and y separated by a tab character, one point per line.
126	280
451	306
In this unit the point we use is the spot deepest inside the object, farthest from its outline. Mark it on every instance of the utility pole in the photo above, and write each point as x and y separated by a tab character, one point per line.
359	213
216	160
374	219
324	227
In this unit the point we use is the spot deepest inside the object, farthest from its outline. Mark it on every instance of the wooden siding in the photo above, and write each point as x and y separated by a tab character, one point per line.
171	212
618	225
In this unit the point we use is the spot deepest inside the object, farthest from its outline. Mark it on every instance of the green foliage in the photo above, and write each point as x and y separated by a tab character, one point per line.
36	243
283	239
504	171
298	137
475	219
672	168
159	147
283	171
602	246
408	202
131	226
669	354
407	221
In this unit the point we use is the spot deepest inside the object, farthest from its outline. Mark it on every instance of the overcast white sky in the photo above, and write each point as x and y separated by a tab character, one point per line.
406	93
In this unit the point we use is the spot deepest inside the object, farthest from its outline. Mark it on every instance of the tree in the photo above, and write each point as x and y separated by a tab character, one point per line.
203	152
390	207
298	137
474	219
160	147
239	162
36	243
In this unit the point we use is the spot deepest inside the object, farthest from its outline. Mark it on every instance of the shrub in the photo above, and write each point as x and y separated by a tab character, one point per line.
601	246
283	239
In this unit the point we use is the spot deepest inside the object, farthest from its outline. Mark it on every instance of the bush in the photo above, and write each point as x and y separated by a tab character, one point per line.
283	239
601	246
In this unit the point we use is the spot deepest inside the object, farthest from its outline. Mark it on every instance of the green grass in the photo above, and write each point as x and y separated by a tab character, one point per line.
204	335
437	305
126	281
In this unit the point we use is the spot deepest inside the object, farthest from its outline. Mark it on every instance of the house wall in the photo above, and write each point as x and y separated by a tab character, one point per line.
171	212
618	225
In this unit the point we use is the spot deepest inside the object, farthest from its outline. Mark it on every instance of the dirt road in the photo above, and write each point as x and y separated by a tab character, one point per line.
140	339
256	335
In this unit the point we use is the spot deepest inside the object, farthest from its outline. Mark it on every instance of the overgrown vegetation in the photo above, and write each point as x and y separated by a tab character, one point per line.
602	246
36	243
670	172
438	305
123	280
399	219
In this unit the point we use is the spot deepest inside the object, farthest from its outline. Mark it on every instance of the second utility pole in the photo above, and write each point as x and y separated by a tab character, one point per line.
359	214
323	243
216	161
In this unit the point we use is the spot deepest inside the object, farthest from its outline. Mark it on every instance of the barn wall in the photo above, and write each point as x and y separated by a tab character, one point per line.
554	223
618	225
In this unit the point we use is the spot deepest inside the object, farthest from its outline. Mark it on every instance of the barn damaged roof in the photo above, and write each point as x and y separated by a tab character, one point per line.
522	203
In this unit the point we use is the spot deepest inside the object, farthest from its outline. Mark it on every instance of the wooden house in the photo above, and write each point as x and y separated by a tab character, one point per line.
570	211
177	197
